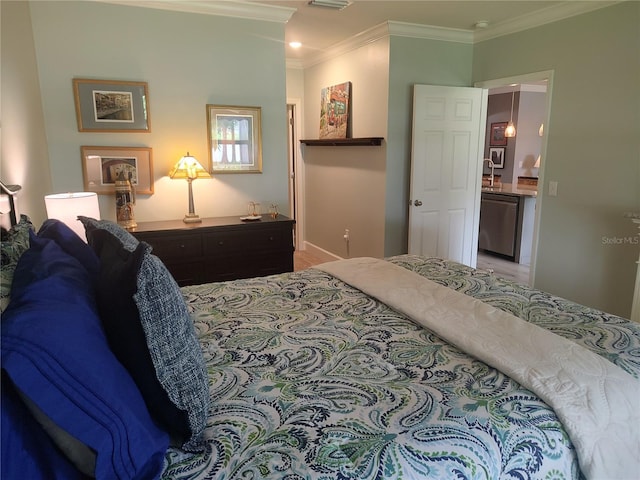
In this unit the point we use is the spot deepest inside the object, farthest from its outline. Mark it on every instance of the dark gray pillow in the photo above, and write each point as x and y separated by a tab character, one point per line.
129	242
173	345
167	330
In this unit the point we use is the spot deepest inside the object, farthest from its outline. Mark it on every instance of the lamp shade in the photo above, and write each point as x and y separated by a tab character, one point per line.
67	206
188	167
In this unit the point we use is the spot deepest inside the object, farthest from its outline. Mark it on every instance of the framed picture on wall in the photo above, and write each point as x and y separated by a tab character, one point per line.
335	111
497	138
235	139
101	166
111	106
496	154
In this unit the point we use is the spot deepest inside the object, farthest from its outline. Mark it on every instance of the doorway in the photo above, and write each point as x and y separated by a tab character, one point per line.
535	78
296	171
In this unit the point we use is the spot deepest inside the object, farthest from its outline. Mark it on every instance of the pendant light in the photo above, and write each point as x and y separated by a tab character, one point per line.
510	131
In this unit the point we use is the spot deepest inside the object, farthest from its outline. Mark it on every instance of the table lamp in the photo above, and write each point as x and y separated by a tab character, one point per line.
188	167
67	206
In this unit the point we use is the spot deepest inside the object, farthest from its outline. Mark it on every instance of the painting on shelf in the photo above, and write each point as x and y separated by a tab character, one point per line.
335	111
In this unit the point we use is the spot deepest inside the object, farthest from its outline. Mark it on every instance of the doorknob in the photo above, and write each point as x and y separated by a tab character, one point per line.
418	203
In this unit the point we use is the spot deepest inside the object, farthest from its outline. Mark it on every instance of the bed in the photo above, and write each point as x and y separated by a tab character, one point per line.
409	367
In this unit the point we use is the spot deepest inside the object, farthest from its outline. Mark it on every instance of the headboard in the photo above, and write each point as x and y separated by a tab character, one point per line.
10	191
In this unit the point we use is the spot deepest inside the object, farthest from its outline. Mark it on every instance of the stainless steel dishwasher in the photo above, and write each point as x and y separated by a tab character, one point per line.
499	223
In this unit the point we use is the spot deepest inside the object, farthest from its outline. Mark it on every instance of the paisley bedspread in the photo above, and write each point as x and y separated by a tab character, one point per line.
311	379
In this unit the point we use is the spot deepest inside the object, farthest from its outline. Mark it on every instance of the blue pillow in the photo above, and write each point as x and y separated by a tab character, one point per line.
55	352
71	243
27	451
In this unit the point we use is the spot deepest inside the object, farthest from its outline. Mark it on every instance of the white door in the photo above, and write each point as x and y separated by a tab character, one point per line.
449	126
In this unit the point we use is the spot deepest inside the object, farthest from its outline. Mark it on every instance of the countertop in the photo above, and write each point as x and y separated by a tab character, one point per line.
513	189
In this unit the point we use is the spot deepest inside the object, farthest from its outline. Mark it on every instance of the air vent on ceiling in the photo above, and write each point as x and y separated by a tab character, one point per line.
337	4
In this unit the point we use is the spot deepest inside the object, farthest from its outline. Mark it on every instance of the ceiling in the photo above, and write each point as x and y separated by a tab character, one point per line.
324	31
321	28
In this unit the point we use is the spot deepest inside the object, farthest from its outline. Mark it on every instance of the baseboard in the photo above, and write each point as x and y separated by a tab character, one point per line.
320	253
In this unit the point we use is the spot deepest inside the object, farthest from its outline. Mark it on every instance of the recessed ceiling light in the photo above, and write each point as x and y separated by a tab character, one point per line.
295	44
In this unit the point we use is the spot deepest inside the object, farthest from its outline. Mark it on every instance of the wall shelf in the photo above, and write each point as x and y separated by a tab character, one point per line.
343	142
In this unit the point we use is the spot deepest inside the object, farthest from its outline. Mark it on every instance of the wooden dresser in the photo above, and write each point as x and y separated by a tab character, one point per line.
223	248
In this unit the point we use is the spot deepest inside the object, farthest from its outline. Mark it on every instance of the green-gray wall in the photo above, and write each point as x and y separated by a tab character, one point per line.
593	149
189	61
413	61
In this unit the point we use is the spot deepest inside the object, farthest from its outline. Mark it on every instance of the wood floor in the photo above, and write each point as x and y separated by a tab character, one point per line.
303	260
504	268
500	267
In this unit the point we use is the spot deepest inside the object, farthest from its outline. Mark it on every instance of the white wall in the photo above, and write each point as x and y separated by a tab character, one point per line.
413	61
189	61
345	186
24	159
531	114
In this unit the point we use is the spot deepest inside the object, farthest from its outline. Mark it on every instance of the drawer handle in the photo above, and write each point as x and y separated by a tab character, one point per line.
221	242
271	239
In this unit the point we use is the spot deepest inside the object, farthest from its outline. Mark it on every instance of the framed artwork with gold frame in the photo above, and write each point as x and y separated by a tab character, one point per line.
235	139
111	106
102	165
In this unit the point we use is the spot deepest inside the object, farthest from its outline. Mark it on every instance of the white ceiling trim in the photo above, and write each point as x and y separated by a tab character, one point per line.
359	40
386	29
237	9
430	32
540	17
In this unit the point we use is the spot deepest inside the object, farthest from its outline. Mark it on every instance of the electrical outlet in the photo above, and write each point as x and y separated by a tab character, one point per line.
553	188
346	235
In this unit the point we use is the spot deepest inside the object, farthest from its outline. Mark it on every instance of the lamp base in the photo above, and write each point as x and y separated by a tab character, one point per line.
191	218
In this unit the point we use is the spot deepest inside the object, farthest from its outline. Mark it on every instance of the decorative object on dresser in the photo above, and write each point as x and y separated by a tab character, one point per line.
125	200
235	139
66	207
223	248
102	165
111	106
188	167
335	111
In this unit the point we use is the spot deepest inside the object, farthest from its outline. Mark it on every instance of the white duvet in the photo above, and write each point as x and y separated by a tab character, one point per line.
597	402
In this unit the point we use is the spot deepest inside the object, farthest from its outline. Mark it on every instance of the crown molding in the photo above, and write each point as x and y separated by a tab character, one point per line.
352	43
386	29
547	15
294	64
430	32
237	9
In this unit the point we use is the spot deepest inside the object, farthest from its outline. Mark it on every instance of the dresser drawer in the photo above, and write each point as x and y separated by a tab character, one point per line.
272	238
221	243
175	247
223	248
187	273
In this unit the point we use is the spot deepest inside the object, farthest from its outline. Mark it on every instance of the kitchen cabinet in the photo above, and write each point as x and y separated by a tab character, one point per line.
506	223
